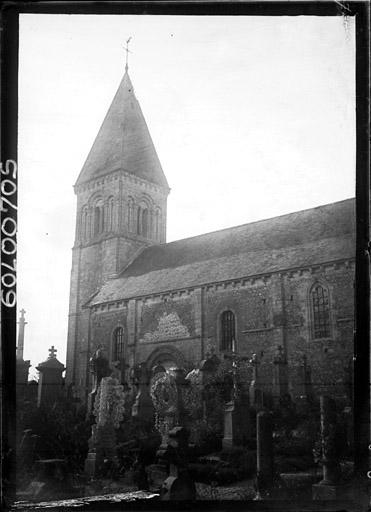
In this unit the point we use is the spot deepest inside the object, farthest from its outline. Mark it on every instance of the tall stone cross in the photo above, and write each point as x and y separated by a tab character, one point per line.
236	360
280	381
20	345
52	352
236	412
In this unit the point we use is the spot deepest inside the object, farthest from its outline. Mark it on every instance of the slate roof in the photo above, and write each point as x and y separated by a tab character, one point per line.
318	235
124	142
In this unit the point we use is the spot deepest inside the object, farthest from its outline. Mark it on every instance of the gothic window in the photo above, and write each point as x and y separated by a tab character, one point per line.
319	299
118	344
227	330
145	222
130	213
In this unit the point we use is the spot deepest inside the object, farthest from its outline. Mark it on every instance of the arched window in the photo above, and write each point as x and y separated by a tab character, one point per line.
98	218
110	214
157	223
139	221
118	344
130	214
319	301
145	222
227	330
84	224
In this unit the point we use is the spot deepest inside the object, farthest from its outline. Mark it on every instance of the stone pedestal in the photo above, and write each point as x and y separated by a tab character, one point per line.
22	373
322	492
228	425
90	461
237	426
280	377
264	453
328	488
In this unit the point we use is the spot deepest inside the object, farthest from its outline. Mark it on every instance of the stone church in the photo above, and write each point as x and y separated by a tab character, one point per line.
282	282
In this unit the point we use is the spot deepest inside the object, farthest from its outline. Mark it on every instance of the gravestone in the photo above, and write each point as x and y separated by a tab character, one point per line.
208	368
328	487
255	389
347	412
237	427
143	409
50	379
178	485
26	452
164	394
280	378
304	401
109	403
52	481
264	453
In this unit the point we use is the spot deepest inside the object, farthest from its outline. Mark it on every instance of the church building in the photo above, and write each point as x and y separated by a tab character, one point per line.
284	283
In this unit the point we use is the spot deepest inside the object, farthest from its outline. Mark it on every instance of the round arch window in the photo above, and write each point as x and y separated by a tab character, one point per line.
118	344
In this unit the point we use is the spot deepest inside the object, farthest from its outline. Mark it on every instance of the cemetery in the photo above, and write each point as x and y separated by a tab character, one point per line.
219	431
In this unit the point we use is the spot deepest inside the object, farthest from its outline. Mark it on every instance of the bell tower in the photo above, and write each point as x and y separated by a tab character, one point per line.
121	209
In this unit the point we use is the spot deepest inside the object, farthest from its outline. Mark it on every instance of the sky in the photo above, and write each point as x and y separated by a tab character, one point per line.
252	117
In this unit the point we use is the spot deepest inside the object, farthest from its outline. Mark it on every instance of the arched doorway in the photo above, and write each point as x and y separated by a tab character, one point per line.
168	357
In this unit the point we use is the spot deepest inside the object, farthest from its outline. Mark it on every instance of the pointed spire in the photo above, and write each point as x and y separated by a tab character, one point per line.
123	141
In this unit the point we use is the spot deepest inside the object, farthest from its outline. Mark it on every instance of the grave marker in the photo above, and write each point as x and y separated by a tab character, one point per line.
264	453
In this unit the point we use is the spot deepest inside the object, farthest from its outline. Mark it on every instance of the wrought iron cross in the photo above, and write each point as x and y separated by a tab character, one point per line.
236	359
127	53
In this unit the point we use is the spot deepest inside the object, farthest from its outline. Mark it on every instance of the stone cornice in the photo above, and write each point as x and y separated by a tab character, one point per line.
114	175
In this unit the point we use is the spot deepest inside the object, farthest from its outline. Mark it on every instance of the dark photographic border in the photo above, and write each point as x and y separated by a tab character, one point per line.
9	115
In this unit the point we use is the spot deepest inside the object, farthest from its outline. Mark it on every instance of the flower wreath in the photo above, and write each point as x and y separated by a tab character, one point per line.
109	404
164	393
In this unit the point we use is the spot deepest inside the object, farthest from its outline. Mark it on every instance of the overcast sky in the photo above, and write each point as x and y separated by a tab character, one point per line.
252	117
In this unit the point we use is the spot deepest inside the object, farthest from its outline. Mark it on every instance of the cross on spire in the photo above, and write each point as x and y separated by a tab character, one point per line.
127	54
52	352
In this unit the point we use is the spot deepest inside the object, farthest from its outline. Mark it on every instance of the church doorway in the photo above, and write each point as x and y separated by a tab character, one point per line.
168	357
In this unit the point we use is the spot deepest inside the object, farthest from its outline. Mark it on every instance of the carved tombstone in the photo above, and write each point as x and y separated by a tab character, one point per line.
108	410
143	409
280	380
255	390
328	487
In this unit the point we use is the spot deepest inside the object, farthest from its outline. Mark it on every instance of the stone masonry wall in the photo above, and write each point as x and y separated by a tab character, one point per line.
270	311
